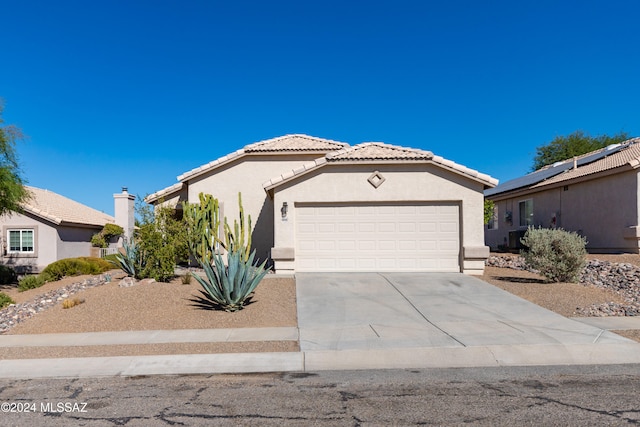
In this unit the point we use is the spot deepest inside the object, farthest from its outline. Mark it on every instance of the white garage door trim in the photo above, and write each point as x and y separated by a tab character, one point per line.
412	236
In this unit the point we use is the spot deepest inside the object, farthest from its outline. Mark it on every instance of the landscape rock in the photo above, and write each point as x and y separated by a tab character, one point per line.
16	313
621	278
127	282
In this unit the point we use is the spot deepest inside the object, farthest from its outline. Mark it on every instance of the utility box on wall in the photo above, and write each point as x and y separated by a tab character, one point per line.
514	238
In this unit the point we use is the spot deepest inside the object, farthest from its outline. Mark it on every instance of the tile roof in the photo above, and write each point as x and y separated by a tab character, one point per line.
59	209
629	154
164	192
282	144
295	142
376	152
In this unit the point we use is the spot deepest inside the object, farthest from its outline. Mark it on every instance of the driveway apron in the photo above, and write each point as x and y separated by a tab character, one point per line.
349	311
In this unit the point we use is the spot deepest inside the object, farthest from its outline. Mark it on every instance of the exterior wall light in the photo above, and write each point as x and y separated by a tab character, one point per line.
284	209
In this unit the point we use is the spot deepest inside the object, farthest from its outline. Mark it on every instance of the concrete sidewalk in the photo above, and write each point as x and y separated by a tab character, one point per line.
364	321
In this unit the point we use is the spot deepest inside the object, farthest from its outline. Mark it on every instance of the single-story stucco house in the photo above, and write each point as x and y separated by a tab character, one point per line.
595	195
322	205
52	227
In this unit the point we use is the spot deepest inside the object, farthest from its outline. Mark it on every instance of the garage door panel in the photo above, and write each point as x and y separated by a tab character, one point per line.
366	227
407	227
421	237
385	245
367	245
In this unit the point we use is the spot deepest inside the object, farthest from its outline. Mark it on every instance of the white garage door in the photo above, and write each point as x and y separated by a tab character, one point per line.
416	237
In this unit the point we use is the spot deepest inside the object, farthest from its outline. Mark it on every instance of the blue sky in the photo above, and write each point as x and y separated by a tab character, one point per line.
133	93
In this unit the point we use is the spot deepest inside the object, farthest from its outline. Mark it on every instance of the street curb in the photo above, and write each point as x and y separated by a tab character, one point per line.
310	361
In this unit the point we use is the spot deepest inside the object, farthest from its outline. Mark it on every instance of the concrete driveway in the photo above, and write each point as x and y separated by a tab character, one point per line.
457	315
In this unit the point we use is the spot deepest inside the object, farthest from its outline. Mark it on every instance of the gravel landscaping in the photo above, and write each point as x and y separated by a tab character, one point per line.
607	288
620	278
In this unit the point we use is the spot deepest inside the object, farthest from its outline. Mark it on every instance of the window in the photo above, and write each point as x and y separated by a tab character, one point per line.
526	213
21	241
493	222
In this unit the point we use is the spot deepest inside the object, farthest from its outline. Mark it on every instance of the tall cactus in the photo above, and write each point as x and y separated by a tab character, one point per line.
203	222
239	240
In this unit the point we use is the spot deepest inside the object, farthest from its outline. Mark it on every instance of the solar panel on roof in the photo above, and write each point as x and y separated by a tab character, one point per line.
530	179
555	169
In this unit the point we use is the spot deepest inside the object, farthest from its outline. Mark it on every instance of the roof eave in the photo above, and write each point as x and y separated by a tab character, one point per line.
484	179
165	192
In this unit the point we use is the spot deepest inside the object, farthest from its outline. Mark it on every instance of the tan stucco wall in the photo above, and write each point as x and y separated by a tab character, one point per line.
602	210
404	183
247	176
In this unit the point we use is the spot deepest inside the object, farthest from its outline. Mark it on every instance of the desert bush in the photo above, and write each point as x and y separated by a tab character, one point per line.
30	282
101	263
101	239
5	300
186	279
557	254
74	267
72	302
98	241
161	241
7	275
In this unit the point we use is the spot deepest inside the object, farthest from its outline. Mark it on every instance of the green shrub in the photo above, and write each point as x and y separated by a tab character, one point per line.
7	275
30	282
5	300
98	241
101	263
557	254
161	241
112	230
101	239
74	267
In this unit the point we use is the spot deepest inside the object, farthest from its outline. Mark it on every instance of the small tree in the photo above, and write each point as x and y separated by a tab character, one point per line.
489	207
12	190
576	144
557	254
161	242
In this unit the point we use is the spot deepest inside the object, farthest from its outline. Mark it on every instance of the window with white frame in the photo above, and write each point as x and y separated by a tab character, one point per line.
526	213
20	241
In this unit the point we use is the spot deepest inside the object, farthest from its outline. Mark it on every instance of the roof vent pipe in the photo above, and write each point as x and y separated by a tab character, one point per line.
575	162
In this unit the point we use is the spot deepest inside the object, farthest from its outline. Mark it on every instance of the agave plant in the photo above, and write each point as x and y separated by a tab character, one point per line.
229	287
129	260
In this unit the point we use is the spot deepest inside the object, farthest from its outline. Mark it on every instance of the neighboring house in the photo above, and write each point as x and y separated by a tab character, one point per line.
595	195
51	227
321	205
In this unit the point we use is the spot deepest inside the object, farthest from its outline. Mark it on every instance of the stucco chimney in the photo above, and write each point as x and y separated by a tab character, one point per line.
124	208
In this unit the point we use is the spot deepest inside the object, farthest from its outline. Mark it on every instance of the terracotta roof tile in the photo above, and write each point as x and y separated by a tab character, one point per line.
58	209
378	151
282	144
295	142
164	192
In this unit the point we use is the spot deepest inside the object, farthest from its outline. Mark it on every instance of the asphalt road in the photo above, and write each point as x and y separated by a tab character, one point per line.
568	396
